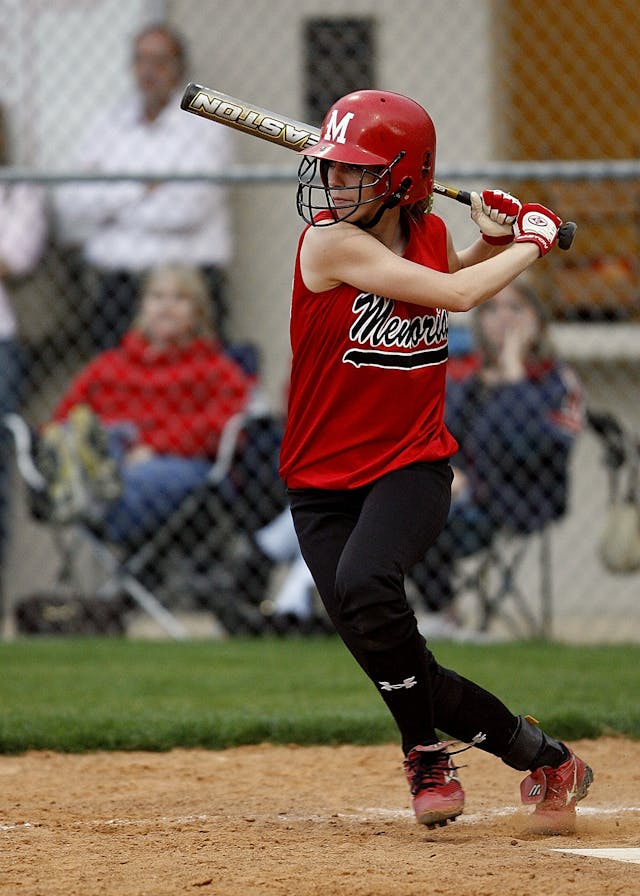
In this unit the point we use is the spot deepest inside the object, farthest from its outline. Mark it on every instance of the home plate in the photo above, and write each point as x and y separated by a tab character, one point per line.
630	854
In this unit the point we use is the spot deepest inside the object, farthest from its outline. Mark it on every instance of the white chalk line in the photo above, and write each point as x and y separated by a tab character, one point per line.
622	854
365	814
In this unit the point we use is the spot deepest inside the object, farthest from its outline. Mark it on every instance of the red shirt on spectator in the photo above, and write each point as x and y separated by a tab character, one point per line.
179	398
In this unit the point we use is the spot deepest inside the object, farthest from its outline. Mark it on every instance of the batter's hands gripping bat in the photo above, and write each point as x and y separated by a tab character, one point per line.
292	134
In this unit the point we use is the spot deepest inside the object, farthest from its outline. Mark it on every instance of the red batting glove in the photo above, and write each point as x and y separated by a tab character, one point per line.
495	212
537	224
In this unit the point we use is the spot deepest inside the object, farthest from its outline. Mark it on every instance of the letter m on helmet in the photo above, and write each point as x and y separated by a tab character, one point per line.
336	130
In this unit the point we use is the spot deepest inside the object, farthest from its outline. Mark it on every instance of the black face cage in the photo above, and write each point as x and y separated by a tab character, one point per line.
313	195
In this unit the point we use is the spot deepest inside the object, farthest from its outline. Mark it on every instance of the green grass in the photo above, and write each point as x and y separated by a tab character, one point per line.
87	694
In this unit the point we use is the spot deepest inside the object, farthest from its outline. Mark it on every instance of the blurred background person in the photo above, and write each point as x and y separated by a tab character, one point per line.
515	409
143	420
126	227
23	237
292	606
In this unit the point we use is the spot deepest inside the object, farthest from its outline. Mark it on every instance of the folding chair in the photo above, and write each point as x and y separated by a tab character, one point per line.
493	578
253	432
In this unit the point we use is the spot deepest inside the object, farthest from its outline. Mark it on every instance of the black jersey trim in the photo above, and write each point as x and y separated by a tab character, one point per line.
396	360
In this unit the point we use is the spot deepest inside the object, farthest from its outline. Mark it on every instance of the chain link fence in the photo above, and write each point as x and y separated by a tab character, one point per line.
538	99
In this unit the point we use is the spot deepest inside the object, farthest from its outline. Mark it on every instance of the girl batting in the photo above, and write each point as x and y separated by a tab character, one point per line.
366	453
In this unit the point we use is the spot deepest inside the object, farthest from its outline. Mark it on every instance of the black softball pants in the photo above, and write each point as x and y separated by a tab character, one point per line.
358	545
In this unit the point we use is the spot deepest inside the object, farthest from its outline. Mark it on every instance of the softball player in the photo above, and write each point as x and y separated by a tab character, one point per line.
365	454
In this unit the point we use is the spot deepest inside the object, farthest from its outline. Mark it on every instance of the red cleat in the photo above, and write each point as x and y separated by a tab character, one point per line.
437	794
555	792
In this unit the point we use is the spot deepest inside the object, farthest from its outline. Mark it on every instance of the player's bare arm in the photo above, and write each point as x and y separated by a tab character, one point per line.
475	253
346	254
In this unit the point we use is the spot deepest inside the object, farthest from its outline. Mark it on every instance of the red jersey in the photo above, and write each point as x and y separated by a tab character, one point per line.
367	378
179	397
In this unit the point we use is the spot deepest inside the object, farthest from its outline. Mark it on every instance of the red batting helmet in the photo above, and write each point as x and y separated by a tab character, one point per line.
383	132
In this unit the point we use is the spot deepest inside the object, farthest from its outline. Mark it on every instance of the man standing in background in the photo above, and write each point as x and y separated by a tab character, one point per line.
123	228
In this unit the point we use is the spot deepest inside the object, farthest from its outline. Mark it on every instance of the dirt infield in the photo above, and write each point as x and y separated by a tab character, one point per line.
297	821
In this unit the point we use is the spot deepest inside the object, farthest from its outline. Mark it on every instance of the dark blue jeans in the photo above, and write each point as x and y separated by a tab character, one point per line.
152	489
12	381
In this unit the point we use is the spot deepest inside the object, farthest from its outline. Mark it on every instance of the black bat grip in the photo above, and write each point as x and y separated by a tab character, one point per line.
566	233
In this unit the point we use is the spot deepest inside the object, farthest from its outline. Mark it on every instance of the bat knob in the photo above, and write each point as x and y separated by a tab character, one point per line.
566	233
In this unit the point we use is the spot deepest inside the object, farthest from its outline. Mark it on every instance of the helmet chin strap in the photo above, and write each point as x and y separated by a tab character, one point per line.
392	200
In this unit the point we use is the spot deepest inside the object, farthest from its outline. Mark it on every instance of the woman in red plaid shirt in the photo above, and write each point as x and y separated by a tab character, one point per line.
150	410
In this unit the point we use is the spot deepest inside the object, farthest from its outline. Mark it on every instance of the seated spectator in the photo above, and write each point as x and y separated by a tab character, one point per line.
140	424
123	228
515	412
